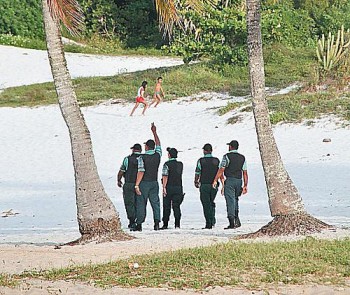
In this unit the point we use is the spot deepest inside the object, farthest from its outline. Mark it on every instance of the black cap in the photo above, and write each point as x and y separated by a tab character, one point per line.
151	144
136	147
207	147
172	152
233	143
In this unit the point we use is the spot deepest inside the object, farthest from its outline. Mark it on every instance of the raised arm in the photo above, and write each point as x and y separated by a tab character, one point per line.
154	131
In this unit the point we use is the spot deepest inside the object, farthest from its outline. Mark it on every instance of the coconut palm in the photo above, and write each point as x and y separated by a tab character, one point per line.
97	216
285	202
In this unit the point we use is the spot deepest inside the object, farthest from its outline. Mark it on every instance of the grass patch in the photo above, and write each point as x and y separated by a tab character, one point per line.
178	81
298	106
231	264
285	65
7	281
94	45
282	68
19	41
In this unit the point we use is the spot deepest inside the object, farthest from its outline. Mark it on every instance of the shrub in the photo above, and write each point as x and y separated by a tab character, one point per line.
21	17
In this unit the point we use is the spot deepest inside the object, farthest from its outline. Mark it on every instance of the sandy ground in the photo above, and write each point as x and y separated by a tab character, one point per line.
38	287
21	66
37	180
18	258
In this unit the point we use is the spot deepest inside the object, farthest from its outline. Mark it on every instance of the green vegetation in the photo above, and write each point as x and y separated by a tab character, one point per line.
132	24
7	281
219	34
94	45
298	106
19	41
21	18
232	264
178	81
333	52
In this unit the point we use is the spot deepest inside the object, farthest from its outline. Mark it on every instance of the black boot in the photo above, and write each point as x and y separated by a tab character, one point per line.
208	226
156	225
237	222
177	223
232	223
131	223
136	227
165	225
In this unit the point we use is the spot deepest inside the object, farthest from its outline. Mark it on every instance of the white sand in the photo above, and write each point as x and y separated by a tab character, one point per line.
37	181
19	66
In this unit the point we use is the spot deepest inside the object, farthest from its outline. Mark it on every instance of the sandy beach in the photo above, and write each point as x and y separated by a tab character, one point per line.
37	180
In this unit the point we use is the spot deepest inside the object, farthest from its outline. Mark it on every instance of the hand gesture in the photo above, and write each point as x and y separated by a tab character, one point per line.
120	184
244	190
215	184
153	128
196	184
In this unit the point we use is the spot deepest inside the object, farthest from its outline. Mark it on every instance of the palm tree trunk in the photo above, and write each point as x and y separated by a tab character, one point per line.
97	216
284	198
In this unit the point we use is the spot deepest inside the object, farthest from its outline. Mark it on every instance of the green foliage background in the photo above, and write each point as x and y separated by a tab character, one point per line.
218	35
21	18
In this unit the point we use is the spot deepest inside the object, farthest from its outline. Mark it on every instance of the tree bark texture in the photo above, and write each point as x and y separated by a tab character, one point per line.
97	216
283	196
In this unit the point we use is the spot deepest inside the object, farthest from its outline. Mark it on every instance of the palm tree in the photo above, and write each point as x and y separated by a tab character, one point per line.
97	217
286	205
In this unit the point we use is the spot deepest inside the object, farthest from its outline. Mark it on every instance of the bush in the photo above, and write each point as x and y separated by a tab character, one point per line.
18	41
21	17
134	23
220	34
283	24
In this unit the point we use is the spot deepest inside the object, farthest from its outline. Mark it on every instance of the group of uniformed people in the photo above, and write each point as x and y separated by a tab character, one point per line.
140	172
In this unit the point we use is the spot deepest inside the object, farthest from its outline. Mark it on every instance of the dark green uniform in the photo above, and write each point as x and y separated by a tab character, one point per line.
234	164
149	164
129	168
173	170
207	168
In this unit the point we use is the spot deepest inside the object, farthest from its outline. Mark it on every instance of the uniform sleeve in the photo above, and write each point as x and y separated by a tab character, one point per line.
158	150
140	165
198	168
224	162
244	167
124	165
165	171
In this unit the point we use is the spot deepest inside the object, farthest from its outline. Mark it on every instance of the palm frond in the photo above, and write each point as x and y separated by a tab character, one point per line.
167	15
168	12
199	5
69	13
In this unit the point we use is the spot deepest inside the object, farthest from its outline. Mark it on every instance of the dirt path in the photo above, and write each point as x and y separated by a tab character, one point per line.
38	287
18	258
